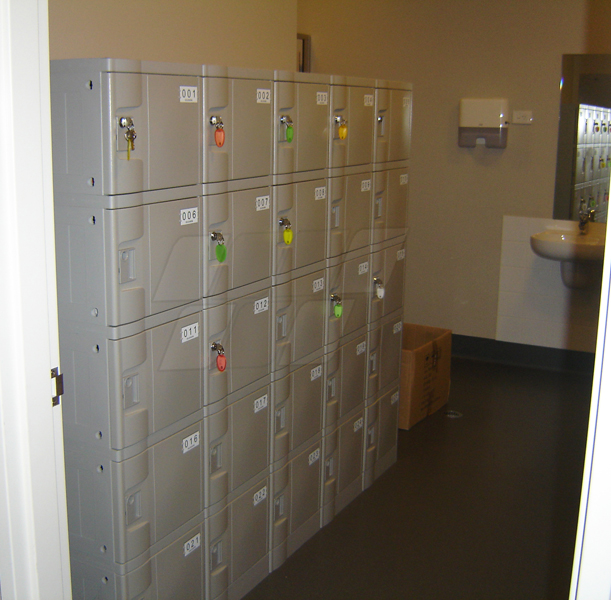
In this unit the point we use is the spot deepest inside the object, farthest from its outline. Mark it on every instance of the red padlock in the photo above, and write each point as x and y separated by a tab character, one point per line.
221	362
219	136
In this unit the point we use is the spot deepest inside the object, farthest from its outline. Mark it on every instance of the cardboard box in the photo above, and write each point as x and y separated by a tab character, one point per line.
425	372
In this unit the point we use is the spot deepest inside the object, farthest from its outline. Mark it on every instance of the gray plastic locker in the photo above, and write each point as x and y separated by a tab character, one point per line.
350	213
389	204
381	428
237	126
386	279
296	415
118	511
237	445
237	239
98	105
384	342
301	122
120	266
352	114
345	372
348	298
295	503
300	218
299	320
237	554
393	124
174	573
119	393
343	465
236	346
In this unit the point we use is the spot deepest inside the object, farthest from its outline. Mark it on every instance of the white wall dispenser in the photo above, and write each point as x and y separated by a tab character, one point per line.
484	120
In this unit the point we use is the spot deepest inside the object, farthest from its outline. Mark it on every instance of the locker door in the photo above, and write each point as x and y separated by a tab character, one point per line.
394	272
355	298
351	436
400	125
309	310
312	128
287	127
353	373
307	400
311	220
358	211
396	206
390	352
360	126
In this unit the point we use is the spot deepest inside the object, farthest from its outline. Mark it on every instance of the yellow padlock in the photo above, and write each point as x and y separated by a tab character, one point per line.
343	132
288	236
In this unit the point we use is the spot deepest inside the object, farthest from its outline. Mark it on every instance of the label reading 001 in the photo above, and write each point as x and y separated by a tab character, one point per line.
318	285
261	305
189	216
322	98
260	496
260	403
193	544
320	193
264	96
262	202
190	332
366	185
190	442
188	93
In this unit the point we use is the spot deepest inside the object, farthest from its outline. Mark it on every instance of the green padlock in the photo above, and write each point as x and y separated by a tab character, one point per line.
338	309
289	133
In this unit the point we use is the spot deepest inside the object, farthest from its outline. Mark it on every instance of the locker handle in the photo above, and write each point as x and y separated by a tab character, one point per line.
373	363
281	327
379	207
331	387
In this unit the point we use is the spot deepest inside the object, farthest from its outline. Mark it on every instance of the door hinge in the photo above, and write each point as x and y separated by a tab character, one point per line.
59	385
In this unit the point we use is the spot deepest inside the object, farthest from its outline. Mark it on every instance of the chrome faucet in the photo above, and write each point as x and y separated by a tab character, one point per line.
585	216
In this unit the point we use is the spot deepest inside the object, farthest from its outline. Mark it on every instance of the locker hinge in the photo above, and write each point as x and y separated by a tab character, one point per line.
59	385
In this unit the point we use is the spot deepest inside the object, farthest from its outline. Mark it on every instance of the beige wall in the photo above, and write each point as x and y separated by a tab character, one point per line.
240	33
458	197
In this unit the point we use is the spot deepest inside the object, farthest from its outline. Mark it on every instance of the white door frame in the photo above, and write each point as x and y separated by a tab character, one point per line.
33	527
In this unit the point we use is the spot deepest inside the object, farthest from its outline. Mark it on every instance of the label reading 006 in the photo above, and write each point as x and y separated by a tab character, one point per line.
189	216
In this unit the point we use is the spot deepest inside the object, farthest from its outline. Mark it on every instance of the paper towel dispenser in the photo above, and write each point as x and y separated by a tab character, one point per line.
483	119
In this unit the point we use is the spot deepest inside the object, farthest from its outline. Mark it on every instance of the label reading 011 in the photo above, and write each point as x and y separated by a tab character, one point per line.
190	332
264	96
189	216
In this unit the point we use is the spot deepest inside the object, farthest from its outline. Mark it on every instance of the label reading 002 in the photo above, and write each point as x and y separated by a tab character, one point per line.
189	216
264	96
190	332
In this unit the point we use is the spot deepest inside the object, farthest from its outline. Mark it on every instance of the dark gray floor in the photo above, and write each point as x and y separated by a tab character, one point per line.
482	507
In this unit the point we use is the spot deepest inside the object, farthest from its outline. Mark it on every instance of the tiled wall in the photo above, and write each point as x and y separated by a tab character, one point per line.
535	307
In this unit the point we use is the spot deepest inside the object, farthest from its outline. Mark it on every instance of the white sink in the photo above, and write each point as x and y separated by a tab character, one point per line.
565	242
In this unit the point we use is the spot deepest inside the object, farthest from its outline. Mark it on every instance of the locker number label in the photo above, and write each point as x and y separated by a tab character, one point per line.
405	100
318	285
368	99
190	442
264	96
403	179
316	372
262	202
322	98
261	305
193	544
364	268
362	347
189	216
260	403
397	327
314	457
320	193
358	424
190	332
188	93
366	185
260	496
400	254
394	398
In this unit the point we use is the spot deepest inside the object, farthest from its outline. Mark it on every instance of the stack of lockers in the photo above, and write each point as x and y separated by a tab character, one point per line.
592	161
230	248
